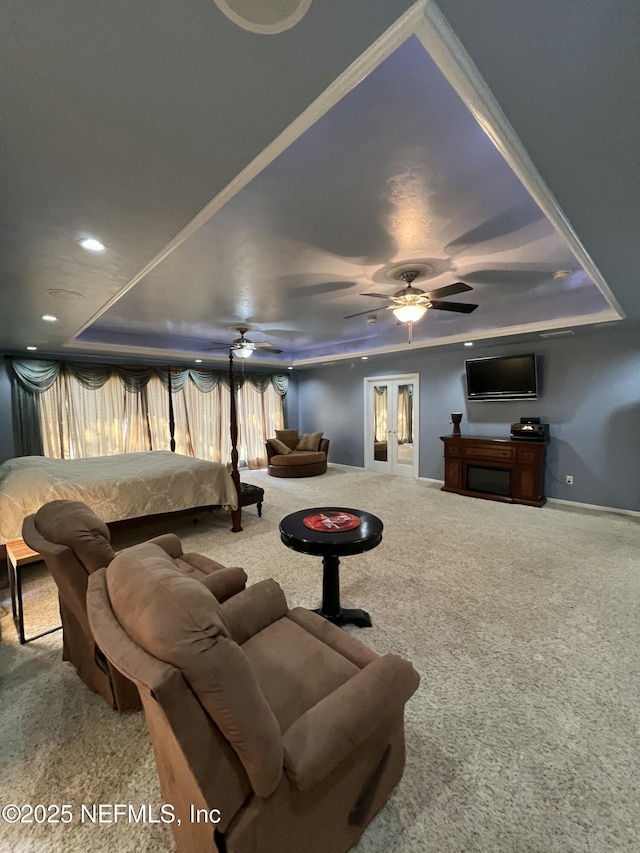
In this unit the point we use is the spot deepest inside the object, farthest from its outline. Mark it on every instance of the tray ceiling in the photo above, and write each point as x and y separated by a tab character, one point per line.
396	171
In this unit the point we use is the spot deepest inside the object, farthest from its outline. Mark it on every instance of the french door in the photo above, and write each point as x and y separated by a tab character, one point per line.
391	433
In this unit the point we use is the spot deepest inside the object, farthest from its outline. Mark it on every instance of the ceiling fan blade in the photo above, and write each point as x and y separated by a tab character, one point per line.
265	346
279	332
460	307
450	289
361	313
219	347
377	295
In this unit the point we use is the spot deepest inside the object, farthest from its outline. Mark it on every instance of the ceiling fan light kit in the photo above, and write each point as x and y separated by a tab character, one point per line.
243	350
409	313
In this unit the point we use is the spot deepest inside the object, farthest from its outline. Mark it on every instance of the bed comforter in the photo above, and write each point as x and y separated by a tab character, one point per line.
129	485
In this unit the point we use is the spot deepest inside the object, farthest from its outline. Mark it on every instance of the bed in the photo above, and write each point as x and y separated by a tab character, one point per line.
129	485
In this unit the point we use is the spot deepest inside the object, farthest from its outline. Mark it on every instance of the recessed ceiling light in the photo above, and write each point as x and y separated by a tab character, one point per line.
198	361
92	245
289	368
468	343
32	349
49	318
561	274
364	357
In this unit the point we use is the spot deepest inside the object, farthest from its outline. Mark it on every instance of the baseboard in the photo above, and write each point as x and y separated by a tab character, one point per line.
632	512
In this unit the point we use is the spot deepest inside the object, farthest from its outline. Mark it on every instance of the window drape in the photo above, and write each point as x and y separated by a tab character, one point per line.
77	421
380	413
259	416
405	414
210	414
70	410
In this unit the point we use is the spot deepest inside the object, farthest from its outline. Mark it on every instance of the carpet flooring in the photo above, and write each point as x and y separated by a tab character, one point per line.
523	623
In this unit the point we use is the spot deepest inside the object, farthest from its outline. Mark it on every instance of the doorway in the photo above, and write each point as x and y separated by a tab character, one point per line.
391	429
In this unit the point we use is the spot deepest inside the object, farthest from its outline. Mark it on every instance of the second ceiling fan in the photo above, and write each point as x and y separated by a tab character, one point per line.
243	347
410	303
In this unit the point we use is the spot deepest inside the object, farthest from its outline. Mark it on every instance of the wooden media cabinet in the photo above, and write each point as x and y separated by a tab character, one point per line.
498	469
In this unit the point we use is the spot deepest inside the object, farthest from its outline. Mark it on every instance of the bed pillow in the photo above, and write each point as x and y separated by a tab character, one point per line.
309	441
279	446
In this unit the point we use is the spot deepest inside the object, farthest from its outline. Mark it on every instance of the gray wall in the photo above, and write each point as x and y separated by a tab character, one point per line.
6	426
589	395
290	402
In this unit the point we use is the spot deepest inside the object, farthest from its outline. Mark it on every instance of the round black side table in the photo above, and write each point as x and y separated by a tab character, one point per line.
331	545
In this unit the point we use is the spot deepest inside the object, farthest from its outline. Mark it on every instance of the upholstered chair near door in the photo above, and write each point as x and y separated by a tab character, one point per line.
74	543
287	726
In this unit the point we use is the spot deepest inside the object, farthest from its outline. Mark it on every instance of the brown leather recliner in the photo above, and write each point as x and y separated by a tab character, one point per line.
74	543
275	723
286	460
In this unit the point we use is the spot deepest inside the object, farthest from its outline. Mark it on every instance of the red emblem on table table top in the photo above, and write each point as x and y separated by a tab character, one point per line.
331	522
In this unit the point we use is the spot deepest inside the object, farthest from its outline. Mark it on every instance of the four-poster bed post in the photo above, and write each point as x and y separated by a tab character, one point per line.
236	514
172	421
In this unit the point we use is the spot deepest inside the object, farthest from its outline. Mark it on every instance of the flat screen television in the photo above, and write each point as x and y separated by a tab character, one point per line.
502	377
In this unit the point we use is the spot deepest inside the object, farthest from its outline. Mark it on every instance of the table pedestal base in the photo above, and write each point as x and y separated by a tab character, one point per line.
353	616
331	610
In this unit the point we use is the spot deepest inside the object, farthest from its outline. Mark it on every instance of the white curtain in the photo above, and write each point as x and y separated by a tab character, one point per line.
405	430
380	413
158	418
135	422
259	416
209	422
78	422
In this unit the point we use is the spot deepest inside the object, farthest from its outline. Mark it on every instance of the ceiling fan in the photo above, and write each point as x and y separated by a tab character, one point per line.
242	346
410	303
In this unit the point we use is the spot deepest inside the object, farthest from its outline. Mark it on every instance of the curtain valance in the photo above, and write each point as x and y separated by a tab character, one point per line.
31	377
38	375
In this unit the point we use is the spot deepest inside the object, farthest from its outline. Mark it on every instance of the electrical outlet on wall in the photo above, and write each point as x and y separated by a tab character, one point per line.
569	479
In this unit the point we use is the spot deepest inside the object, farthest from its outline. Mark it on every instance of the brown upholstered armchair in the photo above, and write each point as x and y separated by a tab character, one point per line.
287	726
74	542
293	455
